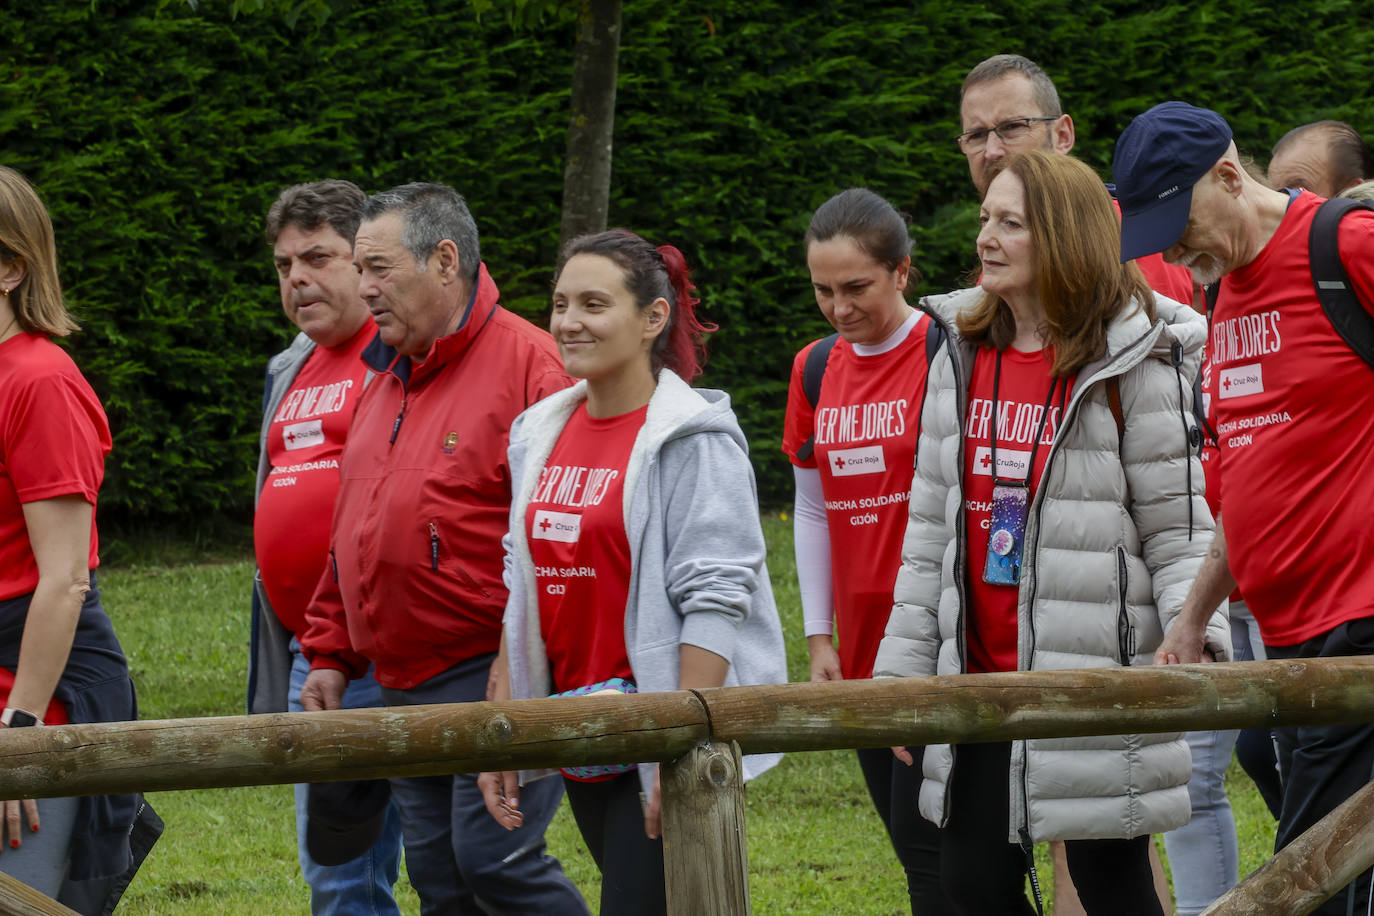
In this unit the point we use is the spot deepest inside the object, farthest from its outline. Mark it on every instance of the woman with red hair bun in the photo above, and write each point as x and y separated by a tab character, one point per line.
635	553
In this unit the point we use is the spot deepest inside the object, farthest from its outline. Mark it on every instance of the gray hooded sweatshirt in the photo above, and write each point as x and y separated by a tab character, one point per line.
697	571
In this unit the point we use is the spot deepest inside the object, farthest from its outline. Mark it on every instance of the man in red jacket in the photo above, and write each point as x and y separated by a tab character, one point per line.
415	587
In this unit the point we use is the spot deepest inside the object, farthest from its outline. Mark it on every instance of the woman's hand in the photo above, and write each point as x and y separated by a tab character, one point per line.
14	828
501	793
825	661
653	811
903	755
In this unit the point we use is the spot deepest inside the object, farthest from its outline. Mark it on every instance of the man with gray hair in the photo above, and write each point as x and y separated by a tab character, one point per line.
1325	157
1293	409
416	586
313	387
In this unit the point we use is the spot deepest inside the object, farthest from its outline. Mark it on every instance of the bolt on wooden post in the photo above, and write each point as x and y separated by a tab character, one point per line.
705	859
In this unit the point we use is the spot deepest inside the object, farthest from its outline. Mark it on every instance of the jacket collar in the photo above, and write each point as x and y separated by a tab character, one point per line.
447	349
1130	337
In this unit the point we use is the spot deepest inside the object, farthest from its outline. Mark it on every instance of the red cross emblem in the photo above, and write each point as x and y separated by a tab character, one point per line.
545	525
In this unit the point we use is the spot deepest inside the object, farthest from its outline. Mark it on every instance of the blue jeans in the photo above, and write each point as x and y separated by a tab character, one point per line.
361	887
1203	854
456	853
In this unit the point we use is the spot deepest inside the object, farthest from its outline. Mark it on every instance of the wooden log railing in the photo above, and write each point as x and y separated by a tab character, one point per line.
667	727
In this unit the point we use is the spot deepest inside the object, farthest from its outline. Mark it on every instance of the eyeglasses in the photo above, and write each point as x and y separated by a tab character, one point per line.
971	141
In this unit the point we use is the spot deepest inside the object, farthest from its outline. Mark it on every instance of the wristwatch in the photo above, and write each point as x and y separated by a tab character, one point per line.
13	717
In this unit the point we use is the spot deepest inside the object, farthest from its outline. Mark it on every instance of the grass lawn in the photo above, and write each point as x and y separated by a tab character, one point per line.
815	843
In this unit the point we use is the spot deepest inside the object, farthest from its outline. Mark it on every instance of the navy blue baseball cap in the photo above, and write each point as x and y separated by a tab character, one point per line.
1159	157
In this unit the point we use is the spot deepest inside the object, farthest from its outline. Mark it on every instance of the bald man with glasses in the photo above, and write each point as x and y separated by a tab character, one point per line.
1008	105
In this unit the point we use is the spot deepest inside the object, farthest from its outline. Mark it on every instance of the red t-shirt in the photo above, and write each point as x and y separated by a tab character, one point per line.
53	441
291	526
1025	386
1295	421
576	529
866	421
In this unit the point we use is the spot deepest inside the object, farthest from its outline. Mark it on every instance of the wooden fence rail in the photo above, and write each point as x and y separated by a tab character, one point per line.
700	733
424	740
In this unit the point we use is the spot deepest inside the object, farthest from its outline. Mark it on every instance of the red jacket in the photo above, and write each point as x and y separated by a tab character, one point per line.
424	500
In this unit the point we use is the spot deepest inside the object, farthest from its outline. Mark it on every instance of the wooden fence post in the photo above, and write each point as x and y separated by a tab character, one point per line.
705	859
18	899
1311	869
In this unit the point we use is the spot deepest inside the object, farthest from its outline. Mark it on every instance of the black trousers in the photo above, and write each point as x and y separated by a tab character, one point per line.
1323	765
984	875
611	820
893	787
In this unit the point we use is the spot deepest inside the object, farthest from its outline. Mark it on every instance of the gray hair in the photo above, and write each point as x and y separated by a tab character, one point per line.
1000	65
430	213
310	206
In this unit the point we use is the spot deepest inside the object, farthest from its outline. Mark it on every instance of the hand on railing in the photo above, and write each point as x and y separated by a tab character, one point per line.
323	689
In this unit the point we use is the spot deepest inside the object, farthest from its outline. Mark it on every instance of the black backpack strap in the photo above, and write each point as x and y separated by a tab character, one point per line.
935	338
1338	300
812	373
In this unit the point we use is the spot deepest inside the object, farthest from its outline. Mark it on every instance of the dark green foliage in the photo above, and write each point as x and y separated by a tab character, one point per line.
158	133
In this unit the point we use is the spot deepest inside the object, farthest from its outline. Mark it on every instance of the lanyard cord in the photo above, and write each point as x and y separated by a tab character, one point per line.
1039	432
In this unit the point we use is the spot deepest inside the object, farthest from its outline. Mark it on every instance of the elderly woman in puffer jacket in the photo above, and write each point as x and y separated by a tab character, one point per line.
1059	528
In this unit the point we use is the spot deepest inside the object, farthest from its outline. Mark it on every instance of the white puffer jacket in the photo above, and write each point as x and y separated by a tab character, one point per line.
1116	532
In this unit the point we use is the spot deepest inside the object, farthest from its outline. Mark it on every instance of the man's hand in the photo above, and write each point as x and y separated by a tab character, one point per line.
323	689
501	794
1184	645
825	661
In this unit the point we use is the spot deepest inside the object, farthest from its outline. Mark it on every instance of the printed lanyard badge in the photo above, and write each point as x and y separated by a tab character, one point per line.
1010	500
1006	533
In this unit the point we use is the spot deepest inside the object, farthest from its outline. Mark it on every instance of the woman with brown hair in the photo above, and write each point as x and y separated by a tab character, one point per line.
59	658
1057	524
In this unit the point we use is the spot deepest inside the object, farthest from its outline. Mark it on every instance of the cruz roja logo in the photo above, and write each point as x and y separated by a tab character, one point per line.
556	526
851	462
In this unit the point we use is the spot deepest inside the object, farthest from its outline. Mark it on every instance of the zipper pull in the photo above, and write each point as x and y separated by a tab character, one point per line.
334	565
433	543
1028	850
396	427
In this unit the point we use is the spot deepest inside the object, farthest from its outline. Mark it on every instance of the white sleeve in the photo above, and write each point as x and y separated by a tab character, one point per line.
811	537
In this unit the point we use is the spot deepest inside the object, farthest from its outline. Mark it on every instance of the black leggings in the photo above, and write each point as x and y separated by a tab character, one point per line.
984	874
893	786
611	820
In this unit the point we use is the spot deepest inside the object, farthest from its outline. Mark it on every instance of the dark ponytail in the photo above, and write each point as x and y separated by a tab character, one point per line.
653	273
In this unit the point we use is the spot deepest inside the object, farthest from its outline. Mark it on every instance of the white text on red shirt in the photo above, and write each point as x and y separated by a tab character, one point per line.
861	422
573	487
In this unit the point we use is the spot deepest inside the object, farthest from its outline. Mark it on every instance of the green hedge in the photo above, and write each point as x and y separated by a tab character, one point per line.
159	133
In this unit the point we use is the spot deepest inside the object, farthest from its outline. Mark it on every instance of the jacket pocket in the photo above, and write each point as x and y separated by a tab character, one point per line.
443	556
1125	630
